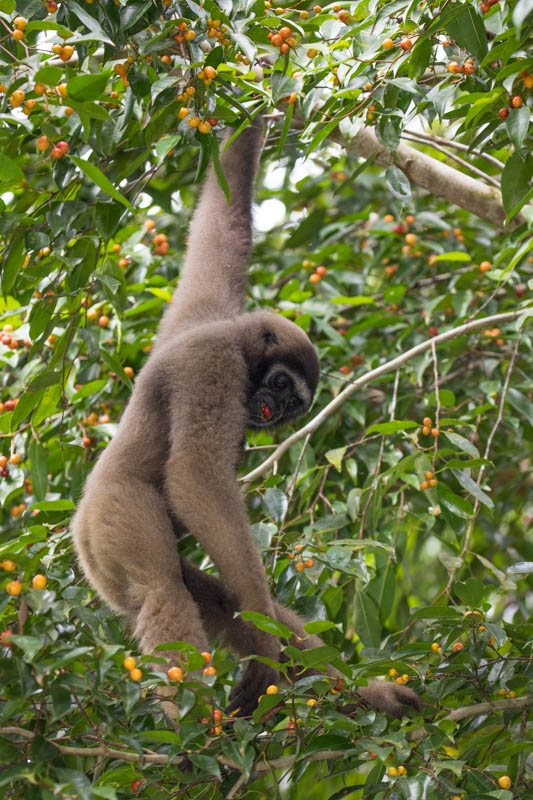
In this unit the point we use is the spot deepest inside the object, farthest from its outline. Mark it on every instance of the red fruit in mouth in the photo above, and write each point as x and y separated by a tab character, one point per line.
266	411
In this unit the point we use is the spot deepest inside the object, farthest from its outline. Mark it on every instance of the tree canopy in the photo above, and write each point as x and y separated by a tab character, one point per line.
394	220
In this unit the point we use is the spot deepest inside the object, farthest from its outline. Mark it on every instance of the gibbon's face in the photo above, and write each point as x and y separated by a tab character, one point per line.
282	396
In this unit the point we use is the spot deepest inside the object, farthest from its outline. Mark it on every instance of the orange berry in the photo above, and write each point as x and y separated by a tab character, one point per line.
129	663
206	657
17	98
14	459
175	674
321	270
458	646
429	475
182	113
43	143
103	321
204	127
435	647
516	101
18	35
454	67
210	72
300	566
5	638
8	566
424	485
427	421
14	588
309	563
189	36
406	44
392	672
210	671
388	44
485	266
425	430
272	689
136	674
129	371
504	782
194	122
39	581
315	278
20	23
216	715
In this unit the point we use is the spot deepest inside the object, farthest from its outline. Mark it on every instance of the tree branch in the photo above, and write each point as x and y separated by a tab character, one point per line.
383	369
437	178
476	710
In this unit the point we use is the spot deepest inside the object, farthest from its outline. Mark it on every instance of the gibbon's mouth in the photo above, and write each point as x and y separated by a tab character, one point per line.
266	411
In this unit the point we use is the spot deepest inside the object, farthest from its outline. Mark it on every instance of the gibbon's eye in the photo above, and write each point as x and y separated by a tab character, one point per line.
280	382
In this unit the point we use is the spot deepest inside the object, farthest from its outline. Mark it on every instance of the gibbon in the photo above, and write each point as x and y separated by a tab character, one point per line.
214	371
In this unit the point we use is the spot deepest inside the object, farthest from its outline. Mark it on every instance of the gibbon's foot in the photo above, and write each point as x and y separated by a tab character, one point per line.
389	697
245	696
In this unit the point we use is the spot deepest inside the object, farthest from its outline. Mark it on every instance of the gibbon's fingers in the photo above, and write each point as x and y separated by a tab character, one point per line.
213	279
389	697
245	696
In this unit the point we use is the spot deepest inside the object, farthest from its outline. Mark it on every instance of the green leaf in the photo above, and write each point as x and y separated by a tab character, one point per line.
221	178
10	172
461	443
267	624
471	592
366	619
43	380
98	177
353	301
50	75
457	505
472	488
455	255
54	505
392	426
60	700
38	469
275	501
437	612
12	263
398	184
318	626
97	33
517	124
208	765
516	181
335	457
467	29
321	135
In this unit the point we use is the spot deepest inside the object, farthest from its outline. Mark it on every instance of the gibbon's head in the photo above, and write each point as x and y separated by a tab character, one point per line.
283	369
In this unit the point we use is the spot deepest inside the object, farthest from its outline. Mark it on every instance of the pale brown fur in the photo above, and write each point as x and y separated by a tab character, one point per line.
172	465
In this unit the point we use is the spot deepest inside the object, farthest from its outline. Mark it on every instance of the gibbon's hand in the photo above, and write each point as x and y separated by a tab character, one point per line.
245	696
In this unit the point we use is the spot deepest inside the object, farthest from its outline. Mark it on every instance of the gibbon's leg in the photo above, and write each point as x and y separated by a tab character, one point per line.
217	607
127	548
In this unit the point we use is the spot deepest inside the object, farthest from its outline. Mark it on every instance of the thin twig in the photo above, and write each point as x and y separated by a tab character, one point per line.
457	159
430	137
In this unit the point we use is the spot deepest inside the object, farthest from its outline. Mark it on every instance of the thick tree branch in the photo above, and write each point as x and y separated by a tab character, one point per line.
388	366
476	710
437	178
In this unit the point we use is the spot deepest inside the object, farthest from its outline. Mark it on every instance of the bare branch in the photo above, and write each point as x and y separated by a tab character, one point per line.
383	369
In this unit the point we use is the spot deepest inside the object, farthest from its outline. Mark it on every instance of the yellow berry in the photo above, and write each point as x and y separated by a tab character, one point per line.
129	663
136	674
311	702
272	689
392	772
393	672
14	587
8	566
504	782
39	581
402	770
435	647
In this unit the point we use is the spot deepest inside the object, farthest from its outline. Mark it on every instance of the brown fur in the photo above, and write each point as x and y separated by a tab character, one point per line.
173	461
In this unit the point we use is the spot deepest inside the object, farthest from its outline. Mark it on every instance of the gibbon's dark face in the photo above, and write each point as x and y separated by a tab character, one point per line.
281	396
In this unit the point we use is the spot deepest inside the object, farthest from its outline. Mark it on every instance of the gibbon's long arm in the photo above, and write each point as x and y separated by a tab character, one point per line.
212	284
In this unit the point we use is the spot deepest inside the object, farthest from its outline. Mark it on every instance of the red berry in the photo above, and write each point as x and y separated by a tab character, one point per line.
136	785
432	330
503	113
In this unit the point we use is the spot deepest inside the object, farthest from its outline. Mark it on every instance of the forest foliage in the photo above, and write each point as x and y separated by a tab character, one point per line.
395	206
